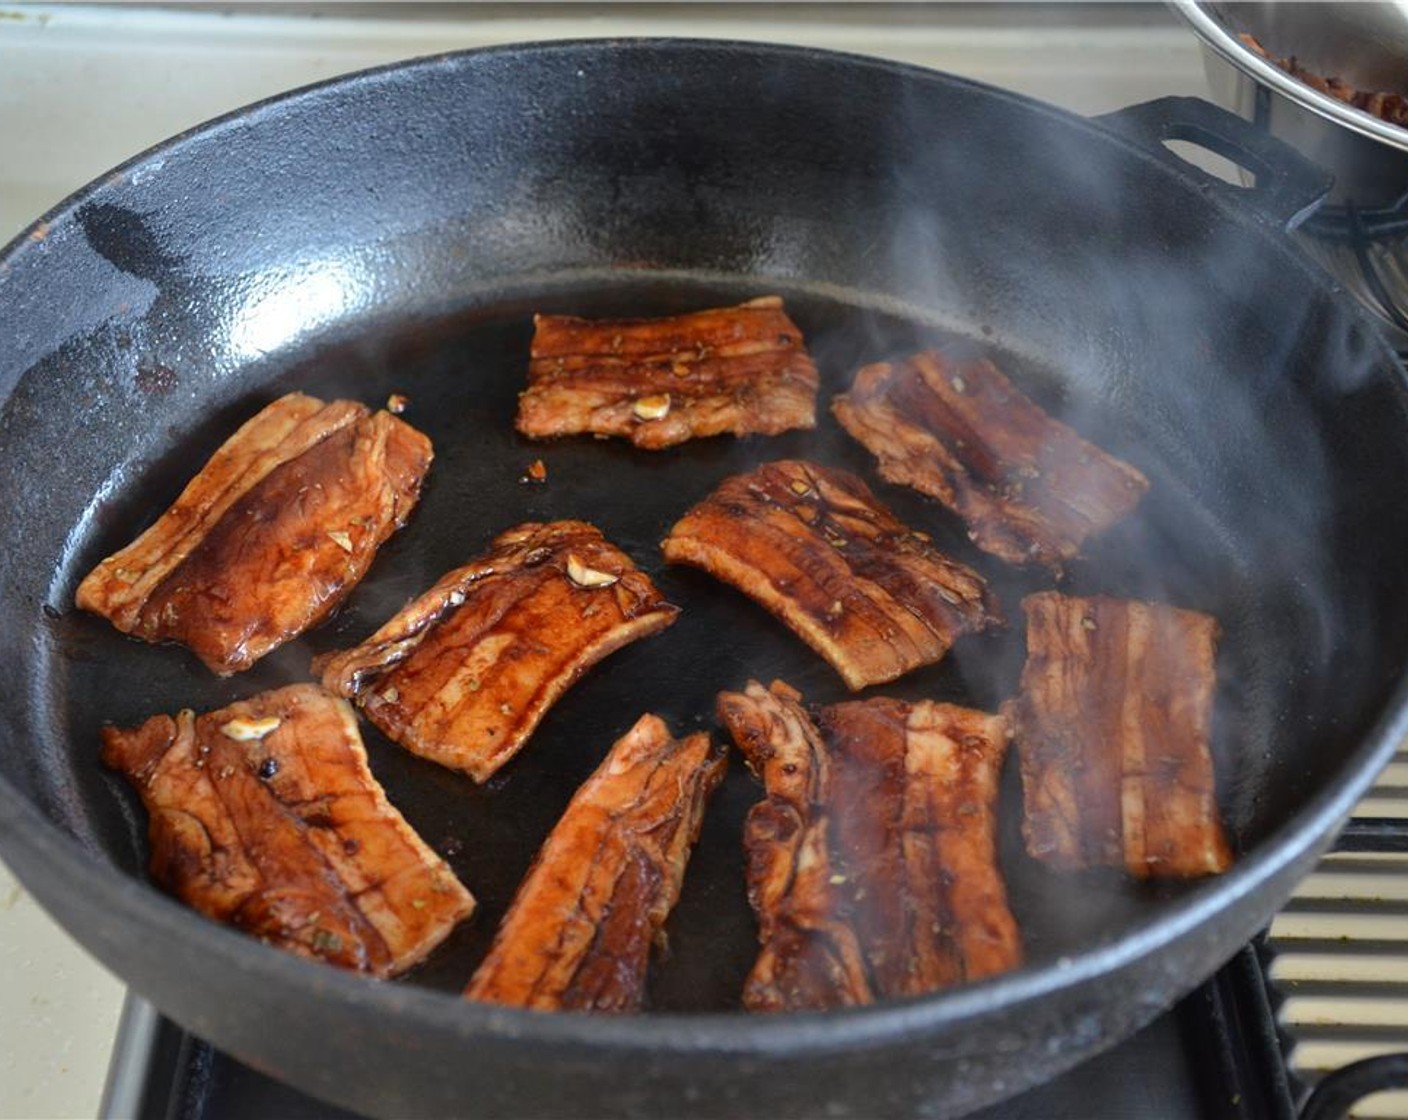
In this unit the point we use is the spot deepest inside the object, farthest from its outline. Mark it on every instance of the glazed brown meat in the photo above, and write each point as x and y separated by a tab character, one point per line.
914	811
272	534
1384	104
579	933
265	815
815	547
872	863
1112	724
809	957
465	673
659	382
1028	487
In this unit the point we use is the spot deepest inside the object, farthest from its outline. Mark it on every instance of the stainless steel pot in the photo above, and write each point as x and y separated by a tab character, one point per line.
1365	44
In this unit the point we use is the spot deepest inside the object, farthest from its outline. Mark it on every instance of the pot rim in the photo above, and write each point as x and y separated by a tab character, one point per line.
1217	36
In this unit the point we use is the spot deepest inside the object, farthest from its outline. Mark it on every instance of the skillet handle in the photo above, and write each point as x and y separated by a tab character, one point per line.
1288	187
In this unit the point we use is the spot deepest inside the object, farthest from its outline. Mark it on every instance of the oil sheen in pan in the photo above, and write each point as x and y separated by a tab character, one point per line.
461	374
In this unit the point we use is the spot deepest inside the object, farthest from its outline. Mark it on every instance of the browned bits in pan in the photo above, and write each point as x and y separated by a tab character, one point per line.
579	933
1112	725
872	862
815	547
270	536
464	674
1030	489
265	815
660	382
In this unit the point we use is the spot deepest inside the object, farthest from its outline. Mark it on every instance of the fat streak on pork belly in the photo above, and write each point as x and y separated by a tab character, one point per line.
659	382
579	933
815	547
1030	489
264	815
464	674
272	534
1113	722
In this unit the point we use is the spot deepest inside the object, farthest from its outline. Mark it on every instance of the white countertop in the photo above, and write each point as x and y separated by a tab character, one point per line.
84	88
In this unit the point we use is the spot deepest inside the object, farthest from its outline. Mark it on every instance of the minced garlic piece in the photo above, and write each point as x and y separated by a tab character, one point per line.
583	576
247	730
652	408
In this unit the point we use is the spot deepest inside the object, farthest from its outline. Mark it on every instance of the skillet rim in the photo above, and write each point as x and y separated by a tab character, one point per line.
140	906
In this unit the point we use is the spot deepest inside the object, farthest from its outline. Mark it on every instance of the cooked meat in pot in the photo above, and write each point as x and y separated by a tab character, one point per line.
464	674
1030	489
265	815
579	933
872	862
809	957
659	382
815	547
1112	725
272	534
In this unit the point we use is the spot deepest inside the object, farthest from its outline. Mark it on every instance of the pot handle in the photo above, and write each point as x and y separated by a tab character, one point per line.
1288	187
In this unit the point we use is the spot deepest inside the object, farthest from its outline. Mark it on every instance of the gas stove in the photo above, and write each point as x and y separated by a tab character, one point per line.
88	86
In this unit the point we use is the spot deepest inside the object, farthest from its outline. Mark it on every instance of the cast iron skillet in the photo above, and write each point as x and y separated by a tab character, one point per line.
394	231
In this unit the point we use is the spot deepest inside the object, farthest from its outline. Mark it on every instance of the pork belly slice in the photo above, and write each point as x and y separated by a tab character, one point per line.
579	932
872	862
265	815
914	812
815	547
464	674
809	957
1112	723
659	382
272	534
1030	489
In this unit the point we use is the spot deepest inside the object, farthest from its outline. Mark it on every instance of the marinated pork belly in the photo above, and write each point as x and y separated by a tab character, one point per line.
872	863
913	806
265	815
659	382
1029	488
579	932
272	534
815	547
1112	726
465	672
809	957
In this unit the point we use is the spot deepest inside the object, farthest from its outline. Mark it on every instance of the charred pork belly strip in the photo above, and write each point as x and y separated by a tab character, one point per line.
273	533
579	932
809	957
1112	726
659	382
913	810
815	547
1029	488
465	673
265	815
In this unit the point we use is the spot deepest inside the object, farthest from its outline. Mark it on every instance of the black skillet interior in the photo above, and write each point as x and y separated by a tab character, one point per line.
1259	407
461	374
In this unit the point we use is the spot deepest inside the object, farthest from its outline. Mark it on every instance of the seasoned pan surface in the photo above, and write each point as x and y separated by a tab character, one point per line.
395	234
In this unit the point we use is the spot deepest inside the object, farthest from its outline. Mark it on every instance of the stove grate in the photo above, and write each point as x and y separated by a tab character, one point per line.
1337	958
